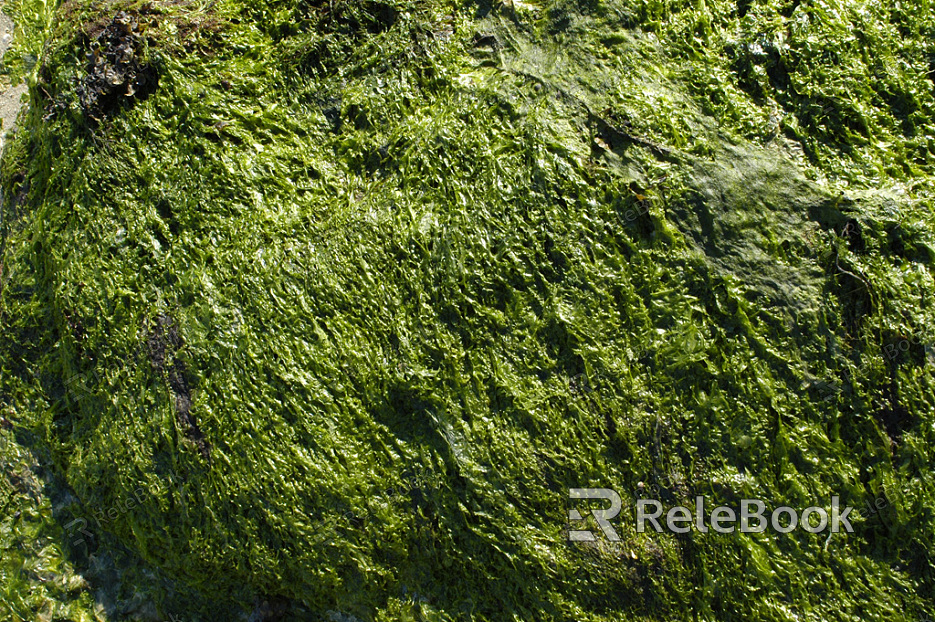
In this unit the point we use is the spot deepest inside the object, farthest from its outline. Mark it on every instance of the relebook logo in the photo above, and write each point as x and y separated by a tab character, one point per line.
722	519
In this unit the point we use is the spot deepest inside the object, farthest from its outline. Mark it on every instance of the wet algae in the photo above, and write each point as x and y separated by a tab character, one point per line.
316	310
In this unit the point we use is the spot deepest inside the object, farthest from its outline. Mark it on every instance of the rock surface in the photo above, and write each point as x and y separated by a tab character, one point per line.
11	97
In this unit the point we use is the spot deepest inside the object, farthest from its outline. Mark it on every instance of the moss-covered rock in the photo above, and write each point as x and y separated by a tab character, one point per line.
325	317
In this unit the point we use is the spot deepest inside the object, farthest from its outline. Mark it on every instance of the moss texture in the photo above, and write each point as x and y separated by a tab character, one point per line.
316	310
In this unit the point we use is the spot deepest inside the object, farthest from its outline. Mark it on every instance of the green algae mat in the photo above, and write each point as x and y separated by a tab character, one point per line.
318	310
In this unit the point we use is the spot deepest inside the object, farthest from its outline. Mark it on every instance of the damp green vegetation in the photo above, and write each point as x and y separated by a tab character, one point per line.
316	310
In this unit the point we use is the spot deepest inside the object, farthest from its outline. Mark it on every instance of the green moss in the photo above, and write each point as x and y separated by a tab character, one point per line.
361	289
